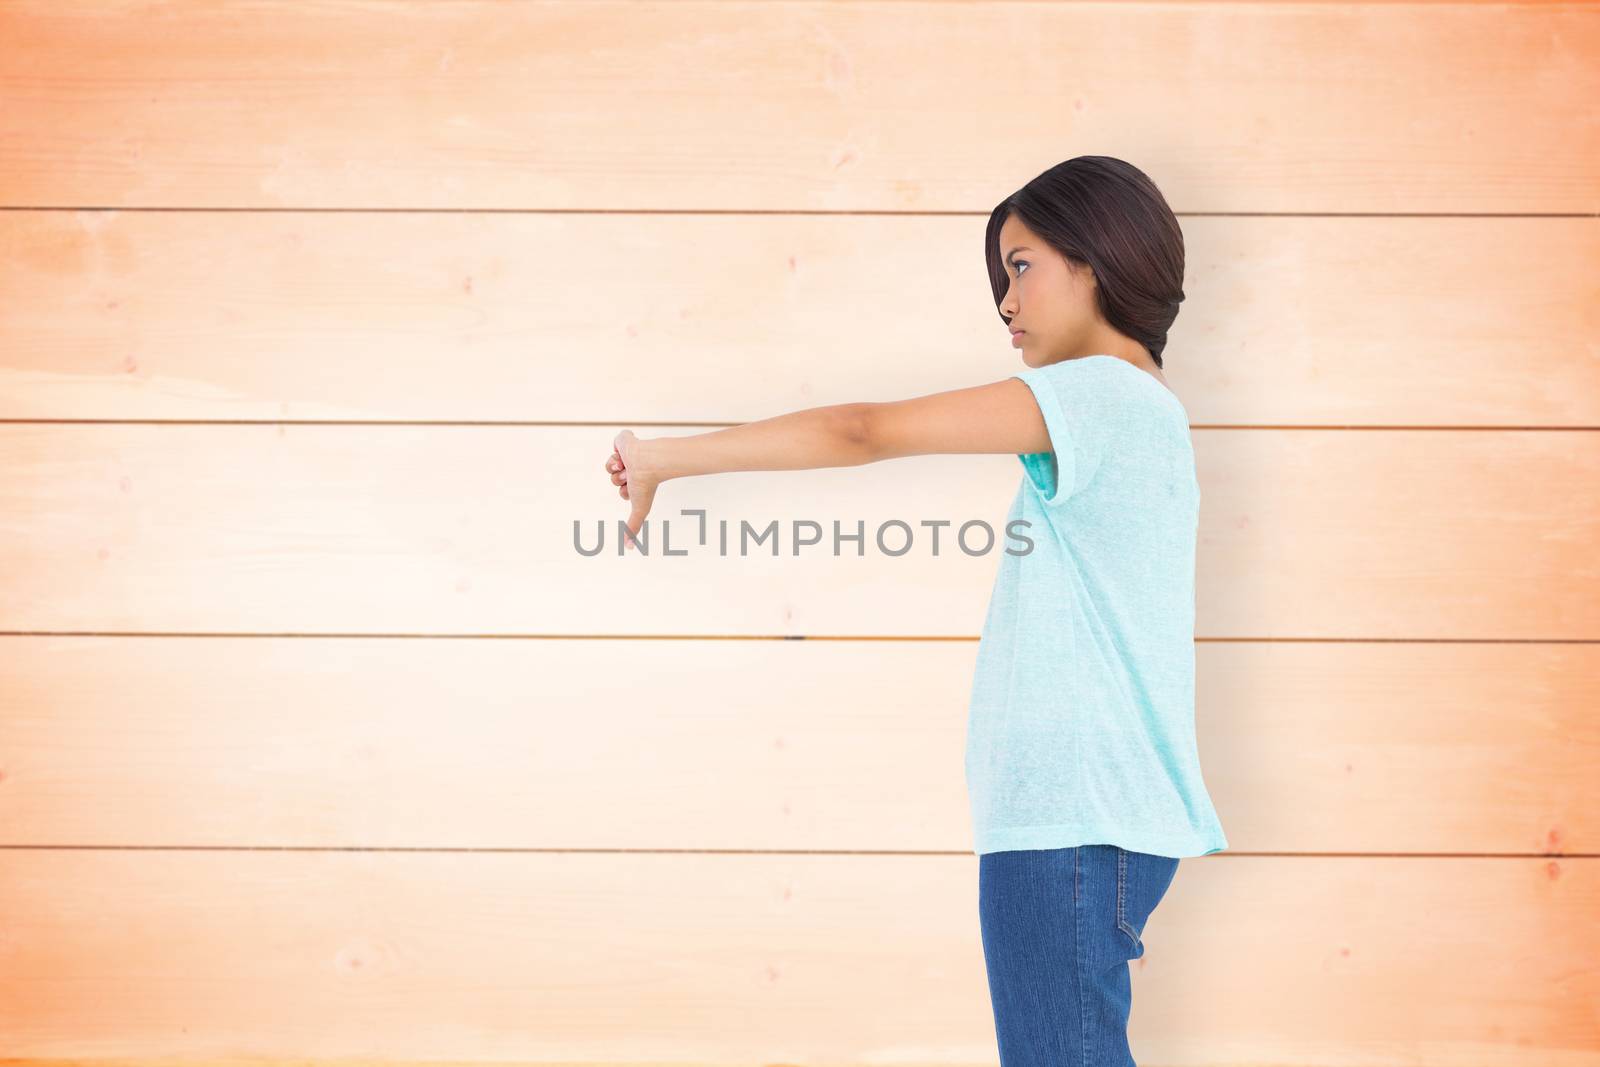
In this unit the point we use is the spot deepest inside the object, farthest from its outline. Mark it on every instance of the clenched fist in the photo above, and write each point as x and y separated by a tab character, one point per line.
630	471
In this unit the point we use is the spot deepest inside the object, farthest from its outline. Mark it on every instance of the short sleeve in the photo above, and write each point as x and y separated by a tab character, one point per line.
1067	398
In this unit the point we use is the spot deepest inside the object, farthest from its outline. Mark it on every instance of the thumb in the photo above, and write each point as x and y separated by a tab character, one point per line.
641	499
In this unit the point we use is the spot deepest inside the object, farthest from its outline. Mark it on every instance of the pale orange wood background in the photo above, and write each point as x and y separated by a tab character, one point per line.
319	740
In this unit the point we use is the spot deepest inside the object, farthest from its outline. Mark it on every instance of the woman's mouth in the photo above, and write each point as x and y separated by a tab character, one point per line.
1016	337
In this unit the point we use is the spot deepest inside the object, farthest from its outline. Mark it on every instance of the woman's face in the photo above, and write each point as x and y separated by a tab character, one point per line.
1050	299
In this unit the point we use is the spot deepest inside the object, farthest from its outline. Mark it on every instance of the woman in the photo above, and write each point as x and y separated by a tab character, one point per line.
1081	763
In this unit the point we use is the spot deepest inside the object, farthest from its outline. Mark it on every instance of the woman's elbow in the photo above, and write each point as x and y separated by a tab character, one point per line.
858	432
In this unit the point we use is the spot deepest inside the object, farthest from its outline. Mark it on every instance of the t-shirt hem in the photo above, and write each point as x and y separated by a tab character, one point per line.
1067	835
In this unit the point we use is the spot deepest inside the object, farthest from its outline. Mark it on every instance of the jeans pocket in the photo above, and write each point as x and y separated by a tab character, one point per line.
1142	881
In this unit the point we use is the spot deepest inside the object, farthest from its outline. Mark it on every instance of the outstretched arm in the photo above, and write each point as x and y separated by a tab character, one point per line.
1001	416
800	440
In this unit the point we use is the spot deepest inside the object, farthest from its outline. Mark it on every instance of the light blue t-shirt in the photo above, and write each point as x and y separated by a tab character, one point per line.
1081	725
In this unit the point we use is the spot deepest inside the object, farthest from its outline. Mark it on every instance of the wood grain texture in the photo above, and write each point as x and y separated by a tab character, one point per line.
639	319
319	740
797	106
1393	534
769	958
1342	748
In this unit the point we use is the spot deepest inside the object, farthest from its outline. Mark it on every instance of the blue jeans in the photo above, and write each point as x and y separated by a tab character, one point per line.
1059	926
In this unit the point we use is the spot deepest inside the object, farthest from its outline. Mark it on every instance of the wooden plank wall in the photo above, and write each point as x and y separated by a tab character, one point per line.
319	740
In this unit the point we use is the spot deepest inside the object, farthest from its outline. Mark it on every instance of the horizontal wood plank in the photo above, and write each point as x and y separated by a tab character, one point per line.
267	742
729	318
798	106
1392	534
737	958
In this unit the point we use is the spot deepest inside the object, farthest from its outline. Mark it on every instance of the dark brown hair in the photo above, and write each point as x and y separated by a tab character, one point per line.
1107	214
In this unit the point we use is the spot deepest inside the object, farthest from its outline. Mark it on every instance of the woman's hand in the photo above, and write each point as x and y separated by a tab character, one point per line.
630	470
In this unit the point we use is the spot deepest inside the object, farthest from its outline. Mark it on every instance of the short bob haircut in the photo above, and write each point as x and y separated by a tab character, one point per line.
1101	212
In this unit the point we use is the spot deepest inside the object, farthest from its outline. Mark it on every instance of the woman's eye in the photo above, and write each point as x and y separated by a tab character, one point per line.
1019	264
